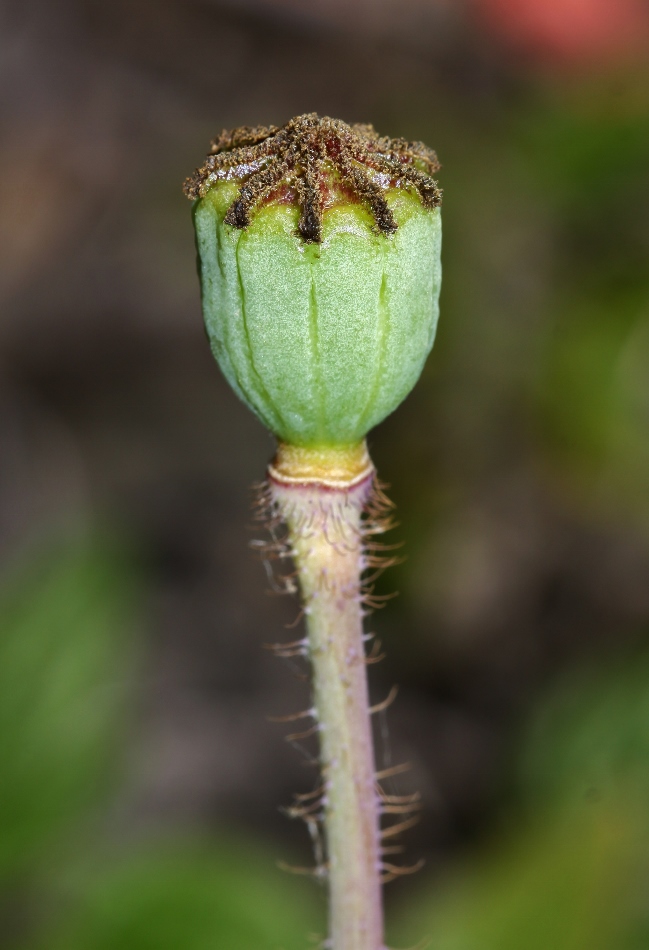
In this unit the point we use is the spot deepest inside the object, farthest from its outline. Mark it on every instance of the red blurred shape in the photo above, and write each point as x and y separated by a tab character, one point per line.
574	31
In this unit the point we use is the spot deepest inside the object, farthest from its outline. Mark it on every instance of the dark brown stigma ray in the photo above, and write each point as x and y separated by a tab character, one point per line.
310	201
400	150
303	154
309	157
253	192
198	184
365	130
245	135
429	191
366	189
411	162
242	147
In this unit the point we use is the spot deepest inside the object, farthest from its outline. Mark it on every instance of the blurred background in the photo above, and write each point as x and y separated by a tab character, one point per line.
140	779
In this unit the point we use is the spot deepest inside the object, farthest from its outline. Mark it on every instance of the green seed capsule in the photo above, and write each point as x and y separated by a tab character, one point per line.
320	283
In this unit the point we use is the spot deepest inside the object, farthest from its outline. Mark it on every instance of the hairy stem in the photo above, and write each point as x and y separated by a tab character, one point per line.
325	532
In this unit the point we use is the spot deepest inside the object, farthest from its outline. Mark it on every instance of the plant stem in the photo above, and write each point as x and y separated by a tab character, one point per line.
325	532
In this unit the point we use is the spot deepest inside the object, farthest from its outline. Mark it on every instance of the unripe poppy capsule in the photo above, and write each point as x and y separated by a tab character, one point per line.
319	258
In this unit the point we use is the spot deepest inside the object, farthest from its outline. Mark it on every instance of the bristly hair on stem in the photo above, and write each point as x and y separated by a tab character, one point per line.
310	807
315	156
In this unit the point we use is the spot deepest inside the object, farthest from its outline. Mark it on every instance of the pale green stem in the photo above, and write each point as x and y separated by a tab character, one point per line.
325	533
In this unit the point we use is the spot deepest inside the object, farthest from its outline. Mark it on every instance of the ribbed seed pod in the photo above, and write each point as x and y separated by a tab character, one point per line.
321	317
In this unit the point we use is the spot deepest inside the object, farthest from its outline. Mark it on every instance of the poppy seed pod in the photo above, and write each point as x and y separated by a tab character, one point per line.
319	258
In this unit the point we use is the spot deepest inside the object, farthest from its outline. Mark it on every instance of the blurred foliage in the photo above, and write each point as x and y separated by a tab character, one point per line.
67	650
561	887
182	895
590	738
64	649
591	159
571	870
